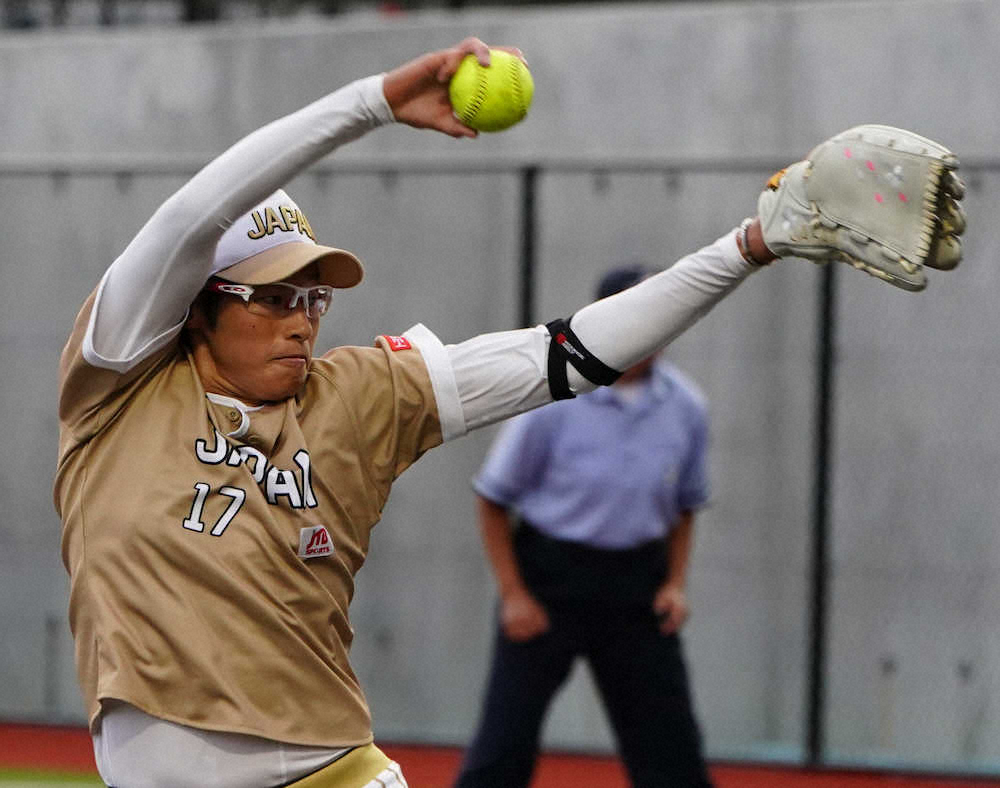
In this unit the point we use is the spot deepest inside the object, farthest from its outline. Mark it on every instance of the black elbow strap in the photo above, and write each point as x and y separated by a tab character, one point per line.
565	346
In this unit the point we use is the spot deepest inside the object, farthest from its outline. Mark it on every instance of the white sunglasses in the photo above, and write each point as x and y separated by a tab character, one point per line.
278	299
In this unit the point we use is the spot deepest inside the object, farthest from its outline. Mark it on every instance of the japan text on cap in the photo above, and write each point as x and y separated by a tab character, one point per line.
273	241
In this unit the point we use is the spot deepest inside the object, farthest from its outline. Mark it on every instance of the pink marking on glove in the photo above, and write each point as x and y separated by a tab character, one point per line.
847	153
878	197
870	165
902	197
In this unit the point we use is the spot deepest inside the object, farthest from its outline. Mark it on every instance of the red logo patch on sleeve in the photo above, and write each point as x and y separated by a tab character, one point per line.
397	343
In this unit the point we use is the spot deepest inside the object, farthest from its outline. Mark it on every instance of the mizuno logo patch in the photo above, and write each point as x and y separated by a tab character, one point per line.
315	541
397	343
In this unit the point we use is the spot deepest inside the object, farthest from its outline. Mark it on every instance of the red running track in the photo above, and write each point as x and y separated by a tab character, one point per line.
68	750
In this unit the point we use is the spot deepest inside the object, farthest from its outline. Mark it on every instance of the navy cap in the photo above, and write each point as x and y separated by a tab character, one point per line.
621	278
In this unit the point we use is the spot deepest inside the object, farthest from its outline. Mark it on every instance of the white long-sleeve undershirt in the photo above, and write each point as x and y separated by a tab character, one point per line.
144	297
500	375
145	294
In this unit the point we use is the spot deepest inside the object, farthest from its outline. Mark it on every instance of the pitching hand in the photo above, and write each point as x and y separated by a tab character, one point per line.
522	617
671	605
417	91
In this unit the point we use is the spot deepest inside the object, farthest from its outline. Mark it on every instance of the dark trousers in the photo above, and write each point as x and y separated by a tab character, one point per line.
639	672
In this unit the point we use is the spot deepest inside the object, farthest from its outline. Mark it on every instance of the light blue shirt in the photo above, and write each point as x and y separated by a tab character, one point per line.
605	469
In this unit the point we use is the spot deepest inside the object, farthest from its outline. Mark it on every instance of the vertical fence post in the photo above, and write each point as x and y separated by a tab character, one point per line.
819	557
529	185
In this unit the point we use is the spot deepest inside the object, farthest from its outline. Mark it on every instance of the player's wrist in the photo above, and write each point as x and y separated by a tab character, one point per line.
378	109
750	240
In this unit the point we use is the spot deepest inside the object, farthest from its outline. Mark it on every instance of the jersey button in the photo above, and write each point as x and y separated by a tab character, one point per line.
235	417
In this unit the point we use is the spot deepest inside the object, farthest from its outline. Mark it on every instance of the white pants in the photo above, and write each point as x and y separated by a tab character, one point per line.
136	750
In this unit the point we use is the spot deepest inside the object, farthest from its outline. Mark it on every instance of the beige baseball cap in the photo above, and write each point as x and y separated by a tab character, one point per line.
273	241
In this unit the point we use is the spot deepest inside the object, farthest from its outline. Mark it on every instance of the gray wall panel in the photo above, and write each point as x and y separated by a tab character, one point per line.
59	235
688	79
914	654
22	693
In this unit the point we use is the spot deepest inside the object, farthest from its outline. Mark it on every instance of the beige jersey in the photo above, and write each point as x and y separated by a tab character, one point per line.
212	552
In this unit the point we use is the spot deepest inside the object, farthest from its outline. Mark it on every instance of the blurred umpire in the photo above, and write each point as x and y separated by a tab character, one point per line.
604	488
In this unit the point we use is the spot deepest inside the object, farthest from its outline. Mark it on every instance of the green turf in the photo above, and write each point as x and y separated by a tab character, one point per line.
38	779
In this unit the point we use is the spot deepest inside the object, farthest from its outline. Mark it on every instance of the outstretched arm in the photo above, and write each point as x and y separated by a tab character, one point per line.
501	374
879	198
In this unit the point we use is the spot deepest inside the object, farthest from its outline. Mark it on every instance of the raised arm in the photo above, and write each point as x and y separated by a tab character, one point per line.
143	298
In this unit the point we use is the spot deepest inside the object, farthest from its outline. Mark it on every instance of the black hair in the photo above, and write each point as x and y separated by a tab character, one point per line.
208	302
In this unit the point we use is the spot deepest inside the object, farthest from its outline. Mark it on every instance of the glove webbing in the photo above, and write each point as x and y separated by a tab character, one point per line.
566	346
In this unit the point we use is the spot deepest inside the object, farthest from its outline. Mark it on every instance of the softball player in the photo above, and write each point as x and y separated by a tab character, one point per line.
217	482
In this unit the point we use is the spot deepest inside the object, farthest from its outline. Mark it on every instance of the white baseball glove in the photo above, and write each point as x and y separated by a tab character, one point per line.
883	199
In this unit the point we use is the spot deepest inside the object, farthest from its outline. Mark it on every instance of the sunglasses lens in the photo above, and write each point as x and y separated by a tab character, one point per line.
281	299
319	300
271	299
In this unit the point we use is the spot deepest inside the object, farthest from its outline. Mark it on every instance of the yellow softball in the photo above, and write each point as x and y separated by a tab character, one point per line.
493	97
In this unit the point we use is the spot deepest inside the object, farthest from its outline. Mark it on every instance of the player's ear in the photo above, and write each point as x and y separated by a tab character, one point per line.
201	320
196	321
193	334
204	313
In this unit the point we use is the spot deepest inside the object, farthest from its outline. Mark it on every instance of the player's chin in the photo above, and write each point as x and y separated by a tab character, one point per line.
284	381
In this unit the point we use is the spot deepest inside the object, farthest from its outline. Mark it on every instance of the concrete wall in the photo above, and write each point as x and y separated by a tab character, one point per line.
726	88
